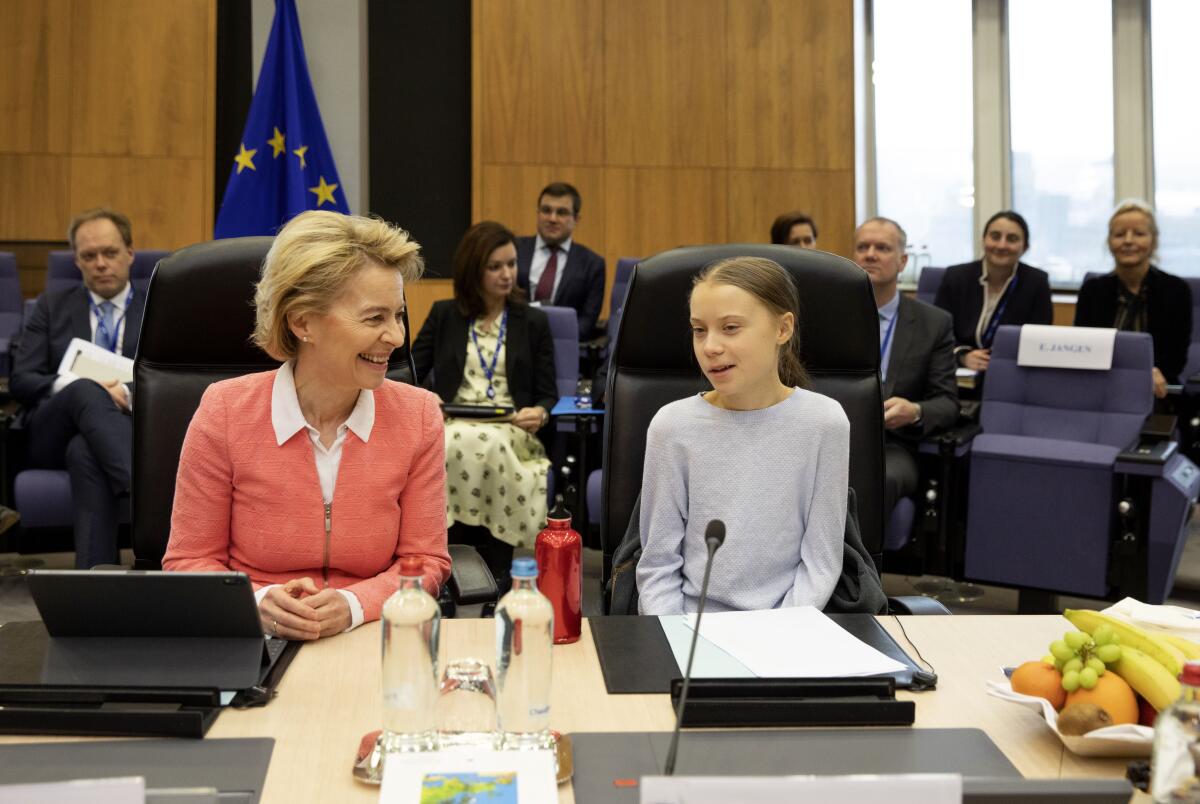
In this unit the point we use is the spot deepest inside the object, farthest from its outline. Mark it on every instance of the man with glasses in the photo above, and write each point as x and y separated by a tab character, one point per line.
76	423
552	269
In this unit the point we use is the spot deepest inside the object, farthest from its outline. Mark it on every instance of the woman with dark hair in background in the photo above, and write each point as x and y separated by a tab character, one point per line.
1139	297
995	290
794	229
487	347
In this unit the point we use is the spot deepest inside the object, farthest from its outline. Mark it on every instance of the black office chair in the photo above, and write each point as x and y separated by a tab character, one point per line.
196	331
653	364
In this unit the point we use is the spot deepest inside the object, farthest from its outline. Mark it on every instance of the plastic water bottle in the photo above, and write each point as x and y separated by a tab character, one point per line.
524	641
411	625
1176	763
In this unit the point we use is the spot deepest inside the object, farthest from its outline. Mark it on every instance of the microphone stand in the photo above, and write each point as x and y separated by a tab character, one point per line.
713	544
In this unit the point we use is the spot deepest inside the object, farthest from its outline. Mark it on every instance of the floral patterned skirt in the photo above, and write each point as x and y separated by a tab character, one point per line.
496	477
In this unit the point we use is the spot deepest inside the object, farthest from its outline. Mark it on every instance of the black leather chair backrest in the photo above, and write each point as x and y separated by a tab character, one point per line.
196	331
653	364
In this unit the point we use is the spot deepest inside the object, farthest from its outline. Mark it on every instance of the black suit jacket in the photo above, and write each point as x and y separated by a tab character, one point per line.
961	295
581	286
441	347
1168	314
58	317
921	368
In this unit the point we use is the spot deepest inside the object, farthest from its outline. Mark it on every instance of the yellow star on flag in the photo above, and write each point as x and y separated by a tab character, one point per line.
276	143
245	159
324	192
300	152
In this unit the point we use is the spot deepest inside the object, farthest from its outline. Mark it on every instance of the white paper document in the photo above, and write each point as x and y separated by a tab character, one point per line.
797	642
526	777
92	362
124	790
917	788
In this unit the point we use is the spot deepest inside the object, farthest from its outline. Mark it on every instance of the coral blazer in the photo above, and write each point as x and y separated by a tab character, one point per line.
245	503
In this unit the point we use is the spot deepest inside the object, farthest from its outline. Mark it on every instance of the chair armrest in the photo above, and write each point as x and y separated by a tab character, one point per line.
956	441
915	604
470	579
1154	445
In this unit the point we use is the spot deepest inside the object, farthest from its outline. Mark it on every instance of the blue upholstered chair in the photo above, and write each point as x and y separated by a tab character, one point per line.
564	327
1102	512
61	270
928	283
10	308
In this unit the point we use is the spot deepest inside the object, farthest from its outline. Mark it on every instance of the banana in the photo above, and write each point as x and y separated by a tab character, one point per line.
1153	645
1147	677
1189	649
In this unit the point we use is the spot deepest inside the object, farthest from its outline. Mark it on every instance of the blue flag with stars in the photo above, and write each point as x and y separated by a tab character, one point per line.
284	165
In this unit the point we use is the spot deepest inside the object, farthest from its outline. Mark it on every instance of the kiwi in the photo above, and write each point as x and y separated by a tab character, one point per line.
1081	718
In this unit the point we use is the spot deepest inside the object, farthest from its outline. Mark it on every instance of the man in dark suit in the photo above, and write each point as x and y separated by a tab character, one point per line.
556	271
916	358
74	422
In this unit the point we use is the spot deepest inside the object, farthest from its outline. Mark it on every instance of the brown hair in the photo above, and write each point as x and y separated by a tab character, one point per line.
118	220
470	261
782	227
767	281
313	257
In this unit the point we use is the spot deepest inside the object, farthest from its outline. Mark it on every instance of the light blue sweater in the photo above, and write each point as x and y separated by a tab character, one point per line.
776	477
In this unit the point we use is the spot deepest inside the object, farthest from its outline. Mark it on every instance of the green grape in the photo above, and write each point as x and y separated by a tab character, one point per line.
1075	639
1087	678
1058	665
1096	665
1060	650
1104	635
1108	653
1070	681
1075	664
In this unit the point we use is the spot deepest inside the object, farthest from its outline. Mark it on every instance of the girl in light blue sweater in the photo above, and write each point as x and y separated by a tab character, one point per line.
759	452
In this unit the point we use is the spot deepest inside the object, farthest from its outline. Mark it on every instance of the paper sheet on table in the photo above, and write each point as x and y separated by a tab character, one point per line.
93	362
797	642
710	661
121	790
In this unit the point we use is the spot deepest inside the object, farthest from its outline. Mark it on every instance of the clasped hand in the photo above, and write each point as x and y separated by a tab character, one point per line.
898	412
529	419
977	359
299	609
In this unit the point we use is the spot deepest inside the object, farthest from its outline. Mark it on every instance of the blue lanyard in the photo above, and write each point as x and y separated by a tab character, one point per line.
989	334
887	336
103	337
490	371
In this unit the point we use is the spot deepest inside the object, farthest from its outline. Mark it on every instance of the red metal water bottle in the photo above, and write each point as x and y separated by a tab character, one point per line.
559	554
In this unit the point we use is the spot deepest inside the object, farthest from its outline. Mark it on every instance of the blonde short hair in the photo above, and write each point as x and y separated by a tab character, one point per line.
313	257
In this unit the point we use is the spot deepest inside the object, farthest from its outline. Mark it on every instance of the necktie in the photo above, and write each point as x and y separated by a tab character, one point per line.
104	327
545	287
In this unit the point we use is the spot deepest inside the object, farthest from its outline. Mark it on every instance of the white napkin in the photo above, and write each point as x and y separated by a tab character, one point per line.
1126	740
1164	618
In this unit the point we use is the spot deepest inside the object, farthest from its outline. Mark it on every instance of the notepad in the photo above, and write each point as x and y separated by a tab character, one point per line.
796	642
93	362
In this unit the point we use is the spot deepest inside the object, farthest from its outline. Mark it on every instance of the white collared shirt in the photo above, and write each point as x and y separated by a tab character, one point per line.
886	314
287	419
541	256
990	302
118	303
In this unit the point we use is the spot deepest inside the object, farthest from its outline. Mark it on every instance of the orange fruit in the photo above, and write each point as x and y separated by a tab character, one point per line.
1113	695
1041	681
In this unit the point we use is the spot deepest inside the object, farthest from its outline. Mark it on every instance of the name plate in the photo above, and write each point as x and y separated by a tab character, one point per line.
916	788
1066	347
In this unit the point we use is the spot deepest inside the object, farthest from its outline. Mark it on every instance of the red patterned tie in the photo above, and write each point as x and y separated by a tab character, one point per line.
545	287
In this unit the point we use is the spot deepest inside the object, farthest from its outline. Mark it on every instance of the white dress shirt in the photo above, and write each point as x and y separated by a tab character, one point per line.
118	302
287	419
541	256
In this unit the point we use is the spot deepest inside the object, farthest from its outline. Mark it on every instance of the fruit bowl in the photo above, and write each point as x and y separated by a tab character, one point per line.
1128	740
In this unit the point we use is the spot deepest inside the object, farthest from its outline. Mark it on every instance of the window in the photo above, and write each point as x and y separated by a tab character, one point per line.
1173	24
922	75
1061	128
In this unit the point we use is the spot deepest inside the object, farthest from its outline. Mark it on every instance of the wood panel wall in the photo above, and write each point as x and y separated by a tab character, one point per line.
680	121
106	103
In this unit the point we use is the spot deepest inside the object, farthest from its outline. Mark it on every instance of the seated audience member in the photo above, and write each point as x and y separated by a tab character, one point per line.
553	269
316	478
76	423
1138	296
794	229
487	347
916	358
732	454
993	291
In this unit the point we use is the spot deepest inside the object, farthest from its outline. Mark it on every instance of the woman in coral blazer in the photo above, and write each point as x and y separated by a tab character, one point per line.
316	478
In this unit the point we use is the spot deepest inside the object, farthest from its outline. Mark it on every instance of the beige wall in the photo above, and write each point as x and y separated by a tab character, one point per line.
680	121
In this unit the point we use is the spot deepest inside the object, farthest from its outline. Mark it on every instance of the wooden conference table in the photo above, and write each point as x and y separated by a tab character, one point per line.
330	697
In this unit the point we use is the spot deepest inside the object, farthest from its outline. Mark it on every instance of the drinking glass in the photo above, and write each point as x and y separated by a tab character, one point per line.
466	706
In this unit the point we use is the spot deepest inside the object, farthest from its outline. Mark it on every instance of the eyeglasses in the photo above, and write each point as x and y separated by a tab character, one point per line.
556	212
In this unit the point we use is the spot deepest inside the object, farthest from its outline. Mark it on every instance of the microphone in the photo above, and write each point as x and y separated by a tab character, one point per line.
714	537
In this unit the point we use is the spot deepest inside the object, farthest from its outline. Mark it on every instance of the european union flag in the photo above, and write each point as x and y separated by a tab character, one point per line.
284	165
